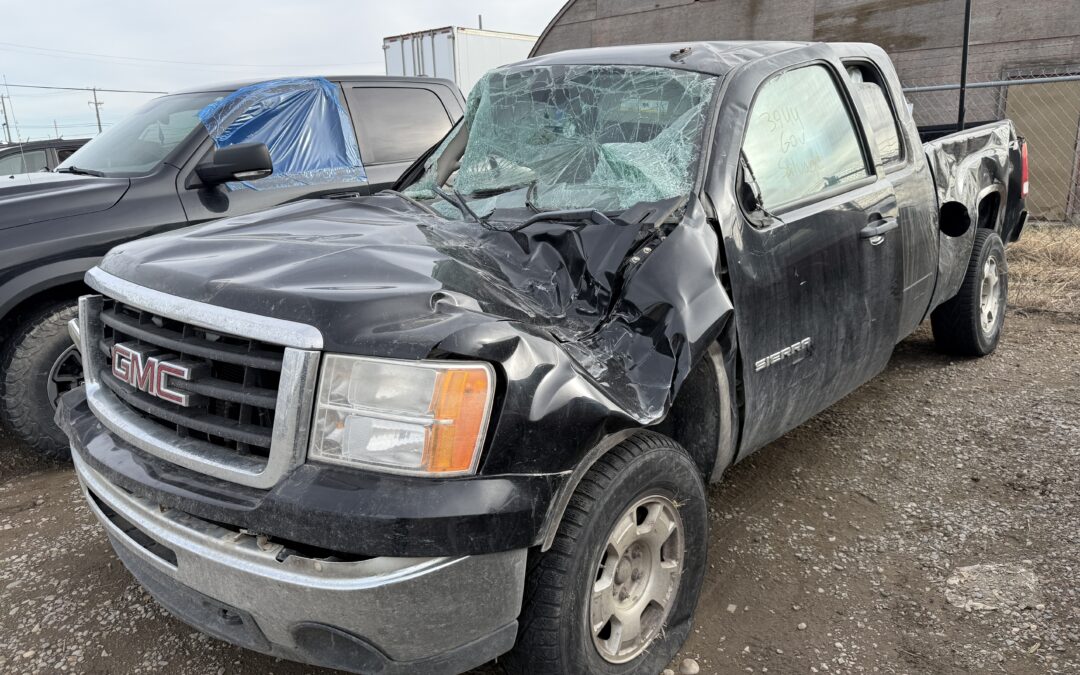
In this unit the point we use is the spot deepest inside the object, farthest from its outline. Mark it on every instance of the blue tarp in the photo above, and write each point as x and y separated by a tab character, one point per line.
303	124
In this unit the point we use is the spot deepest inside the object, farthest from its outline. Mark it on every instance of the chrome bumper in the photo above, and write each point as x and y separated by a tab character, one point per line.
411	611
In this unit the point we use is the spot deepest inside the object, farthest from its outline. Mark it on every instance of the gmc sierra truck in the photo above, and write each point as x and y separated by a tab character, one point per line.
474	416
170	164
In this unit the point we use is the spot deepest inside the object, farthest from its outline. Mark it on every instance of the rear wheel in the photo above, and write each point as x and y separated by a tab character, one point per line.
40	364
616	592
970	323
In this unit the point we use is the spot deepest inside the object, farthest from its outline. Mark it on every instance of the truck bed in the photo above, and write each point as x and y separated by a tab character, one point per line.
968	167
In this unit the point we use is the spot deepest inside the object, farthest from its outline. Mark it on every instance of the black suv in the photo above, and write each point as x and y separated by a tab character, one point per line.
160	169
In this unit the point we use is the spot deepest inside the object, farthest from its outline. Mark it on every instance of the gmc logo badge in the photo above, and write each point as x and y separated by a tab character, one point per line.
149	373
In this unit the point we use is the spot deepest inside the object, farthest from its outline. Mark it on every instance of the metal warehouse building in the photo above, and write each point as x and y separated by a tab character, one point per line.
1010	42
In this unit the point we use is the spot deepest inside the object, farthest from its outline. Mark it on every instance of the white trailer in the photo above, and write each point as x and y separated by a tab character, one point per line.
458	54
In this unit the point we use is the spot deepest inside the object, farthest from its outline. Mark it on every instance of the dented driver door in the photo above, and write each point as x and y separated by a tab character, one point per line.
817	290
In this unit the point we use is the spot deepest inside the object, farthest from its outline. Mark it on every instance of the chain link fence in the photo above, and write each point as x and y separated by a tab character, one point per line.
1045	106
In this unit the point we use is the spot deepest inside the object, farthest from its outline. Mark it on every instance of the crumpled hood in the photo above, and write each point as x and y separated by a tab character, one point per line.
382	276
37	197
632	303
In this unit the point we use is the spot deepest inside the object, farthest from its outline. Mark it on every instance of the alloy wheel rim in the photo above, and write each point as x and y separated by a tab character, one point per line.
66	374
990	296
636	579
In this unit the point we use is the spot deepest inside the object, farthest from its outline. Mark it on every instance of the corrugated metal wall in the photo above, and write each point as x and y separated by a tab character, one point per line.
1010	40
924	36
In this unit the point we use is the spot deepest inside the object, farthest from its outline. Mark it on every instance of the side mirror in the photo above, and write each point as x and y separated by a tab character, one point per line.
749	195
243	161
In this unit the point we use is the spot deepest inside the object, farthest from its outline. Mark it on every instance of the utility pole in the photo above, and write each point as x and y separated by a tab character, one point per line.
97	109
963	66
56	128
7	129
10	108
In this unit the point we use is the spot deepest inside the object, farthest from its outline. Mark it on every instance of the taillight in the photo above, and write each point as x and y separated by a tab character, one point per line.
1023	170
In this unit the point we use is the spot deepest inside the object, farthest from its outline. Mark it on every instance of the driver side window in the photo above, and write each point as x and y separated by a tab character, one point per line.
800	138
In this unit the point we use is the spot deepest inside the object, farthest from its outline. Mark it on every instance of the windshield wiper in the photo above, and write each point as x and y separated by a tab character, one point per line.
567	215
81	172
503	189
458	201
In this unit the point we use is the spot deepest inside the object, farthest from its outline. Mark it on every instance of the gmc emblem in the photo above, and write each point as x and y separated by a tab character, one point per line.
149	373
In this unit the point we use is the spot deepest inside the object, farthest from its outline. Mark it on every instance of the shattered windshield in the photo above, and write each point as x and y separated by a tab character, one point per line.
570	137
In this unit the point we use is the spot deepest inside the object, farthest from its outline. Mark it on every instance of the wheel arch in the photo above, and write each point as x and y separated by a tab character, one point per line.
710	440
46	284
988	205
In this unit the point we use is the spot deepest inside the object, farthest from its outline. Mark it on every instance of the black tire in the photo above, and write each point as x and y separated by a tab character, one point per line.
26	405
554	635
959	326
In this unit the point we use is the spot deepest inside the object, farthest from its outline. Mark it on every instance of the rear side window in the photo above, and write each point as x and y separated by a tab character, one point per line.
800	138
24	162
11	164
396	124
867	86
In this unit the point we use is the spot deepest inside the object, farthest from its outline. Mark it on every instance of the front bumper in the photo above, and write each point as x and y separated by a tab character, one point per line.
379	615
334	508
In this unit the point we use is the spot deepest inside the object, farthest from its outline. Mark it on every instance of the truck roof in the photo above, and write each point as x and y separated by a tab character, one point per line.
716	58
47	143
233	86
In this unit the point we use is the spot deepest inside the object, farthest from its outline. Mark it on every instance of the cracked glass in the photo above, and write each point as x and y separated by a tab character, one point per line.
571	137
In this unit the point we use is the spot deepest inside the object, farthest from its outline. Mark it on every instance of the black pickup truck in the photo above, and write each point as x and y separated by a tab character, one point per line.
475	415
170	164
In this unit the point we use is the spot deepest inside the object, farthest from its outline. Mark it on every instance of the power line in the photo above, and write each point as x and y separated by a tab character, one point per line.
93	55
45	94
111	91
72	125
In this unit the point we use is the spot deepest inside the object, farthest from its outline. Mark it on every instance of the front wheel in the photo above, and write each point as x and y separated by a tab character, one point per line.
40	364
616	592
970	323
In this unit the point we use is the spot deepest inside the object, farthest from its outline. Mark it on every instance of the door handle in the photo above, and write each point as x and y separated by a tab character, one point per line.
876	228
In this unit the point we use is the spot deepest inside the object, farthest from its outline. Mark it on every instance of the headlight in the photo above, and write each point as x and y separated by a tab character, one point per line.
415	417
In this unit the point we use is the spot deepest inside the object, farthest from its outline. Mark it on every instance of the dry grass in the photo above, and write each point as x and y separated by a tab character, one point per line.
1044	269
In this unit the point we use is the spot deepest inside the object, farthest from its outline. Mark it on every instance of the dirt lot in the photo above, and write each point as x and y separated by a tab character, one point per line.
844	547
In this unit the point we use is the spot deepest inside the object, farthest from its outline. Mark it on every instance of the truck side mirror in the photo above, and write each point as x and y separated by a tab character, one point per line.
243	161
749	194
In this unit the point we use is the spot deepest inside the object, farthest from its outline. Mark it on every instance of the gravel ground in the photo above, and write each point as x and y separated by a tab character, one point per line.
928	523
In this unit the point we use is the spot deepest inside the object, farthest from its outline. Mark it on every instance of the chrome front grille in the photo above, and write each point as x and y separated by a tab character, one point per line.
249	388
233	391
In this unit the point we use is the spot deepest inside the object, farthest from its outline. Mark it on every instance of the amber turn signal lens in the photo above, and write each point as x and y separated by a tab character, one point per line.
460	409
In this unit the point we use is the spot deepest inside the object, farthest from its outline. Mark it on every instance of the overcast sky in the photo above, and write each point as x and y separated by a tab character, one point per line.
144	44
